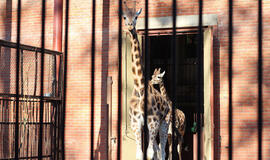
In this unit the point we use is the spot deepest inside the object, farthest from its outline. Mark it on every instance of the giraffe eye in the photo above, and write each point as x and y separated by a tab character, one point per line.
125	17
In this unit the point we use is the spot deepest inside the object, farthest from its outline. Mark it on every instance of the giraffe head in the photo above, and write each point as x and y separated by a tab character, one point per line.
157	76
130	16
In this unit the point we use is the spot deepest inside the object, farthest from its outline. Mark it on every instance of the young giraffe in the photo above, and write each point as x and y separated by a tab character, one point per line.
180	122
163	132
157	108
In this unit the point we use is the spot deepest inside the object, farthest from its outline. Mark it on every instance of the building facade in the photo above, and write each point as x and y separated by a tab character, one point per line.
216	70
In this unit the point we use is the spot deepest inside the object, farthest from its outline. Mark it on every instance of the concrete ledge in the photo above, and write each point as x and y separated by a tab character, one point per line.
181	21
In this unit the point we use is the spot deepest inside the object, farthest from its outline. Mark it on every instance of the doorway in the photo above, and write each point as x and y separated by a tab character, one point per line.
186	85
186	75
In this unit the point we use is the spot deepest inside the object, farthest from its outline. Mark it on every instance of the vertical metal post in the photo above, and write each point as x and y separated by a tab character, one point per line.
93	77
36	72
55	110
173	65
119	81
40	140
230	78
200	79
109	115
58	111
260	80
59	129
65	78
60	76
17	78
146	79
21	62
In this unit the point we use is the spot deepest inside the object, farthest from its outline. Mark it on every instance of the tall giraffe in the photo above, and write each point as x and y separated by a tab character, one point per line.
180	122
157	108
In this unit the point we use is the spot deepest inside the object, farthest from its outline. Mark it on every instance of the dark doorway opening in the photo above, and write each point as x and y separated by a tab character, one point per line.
186	79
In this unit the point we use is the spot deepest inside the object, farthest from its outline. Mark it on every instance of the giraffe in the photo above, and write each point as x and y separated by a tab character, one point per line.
163	131
157	108
179	116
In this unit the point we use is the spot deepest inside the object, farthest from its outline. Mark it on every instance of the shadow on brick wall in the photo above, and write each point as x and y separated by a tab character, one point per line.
5	55
101	145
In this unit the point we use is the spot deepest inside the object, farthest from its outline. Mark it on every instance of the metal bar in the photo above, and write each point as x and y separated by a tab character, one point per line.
28	123
40	140
58	131
32	129
165	33
109	115
169	30
119	118
27	47
36	72
21	61
230	78
58	109
173	65
17	78
65	79
146	78
52	127
27	149
36	128
29	96
33	157
55	129
260	79
93	49
200	80
60	79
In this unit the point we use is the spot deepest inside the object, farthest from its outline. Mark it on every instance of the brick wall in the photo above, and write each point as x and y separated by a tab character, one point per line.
78	116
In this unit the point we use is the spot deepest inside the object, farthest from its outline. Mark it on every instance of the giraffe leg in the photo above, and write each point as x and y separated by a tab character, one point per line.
179	151
179	147
163	136
139	153
156	150
137	128
170	146
170	141
153	129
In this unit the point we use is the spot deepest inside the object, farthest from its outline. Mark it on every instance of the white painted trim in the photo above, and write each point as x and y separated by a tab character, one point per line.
181	21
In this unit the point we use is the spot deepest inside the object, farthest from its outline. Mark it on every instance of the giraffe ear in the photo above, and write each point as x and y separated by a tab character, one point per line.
162	74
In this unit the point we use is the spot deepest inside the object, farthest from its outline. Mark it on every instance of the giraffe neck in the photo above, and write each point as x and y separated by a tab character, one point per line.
137	70
151	88
163	91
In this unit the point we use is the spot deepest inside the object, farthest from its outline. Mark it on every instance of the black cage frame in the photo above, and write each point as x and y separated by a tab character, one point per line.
57	101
